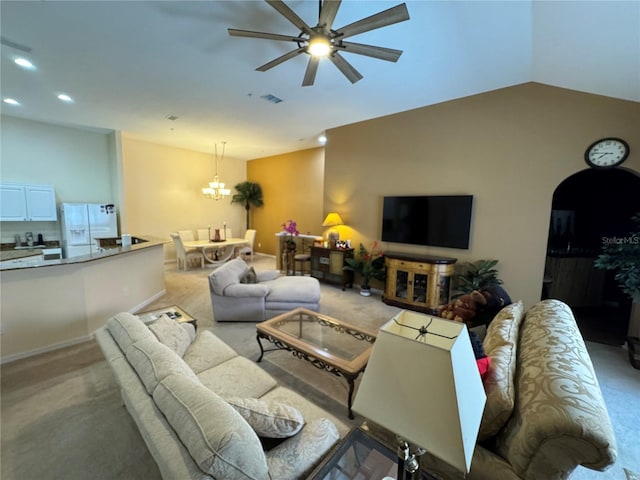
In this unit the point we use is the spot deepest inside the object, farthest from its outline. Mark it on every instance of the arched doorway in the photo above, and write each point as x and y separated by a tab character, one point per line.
589	207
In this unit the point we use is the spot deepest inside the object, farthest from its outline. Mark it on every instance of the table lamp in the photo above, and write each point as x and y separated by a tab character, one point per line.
423	384
333	219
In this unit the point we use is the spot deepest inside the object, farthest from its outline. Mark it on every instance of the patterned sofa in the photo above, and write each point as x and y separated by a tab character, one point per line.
545	414
205	412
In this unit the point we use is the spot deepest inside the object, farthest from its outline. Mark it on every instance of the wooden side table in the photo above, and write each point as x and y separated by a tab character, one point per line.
174	312
327	265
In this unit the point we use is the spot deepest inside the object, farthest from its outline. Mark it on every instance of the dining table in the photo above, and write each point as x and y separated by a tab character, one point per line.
216	253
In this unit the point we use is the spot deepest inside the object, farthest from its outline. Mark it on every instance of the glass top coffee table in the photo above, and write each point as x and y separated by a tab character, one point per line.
329	344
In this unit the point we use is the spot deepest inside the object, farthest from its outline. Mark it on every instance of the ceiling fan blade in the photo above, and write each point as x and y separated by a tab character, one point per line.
388	54
280	59
290	15
396	14
268	36
328	12
310	73
345	67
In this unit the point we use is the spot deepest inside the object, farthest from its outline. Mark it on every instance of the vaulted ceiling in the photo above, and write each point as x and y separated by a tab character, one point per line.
129	65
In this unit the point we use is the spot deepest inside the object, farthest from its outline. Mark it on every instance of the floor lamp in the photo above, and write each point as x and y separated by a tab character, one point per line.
423	384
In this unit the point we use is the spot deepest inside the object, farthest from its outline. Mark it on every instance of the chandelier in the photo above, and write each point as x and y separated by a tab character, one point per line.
216	189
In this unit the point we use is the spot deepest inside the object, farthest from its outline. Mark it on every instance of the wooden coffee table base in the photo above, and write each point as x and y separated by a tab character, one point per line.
316	362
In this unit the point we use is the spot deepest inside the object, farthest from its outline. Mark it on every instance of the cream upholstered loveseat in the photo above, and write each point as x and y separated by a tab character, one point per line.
545	414
204	412
238	294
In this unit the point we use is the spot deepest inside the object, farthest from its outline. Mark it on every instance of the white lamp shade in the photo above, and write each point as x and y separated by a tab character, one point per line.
426	390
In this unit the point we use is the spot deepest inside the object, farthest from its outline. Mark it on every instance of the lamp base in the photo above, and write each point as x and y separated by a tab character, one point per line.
408	462
333	236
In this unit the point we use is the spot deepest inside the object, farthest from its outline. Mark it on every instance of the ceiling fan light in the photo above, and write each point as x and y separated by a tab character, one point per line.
319	46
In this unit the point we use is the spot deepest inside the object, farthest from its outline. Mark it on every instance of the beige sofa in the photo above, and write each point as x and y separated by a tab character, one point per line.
238	294
545	414
205	412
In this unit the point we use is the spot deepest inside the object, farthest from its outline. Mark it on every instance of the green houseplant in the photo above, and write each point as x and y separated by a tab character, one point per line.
476	275
370	265
622	255
249	194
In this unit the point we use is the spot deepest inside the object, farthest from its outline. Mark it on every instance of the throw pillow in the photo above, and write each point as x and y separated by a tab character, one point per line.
171	334
269	418
218	439
249	276
482	360
500	345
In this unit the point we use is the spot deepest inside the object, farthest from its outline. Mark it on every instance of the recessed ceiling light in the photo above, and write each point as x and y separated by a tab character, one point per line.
24	63
322	139
11	101
65	98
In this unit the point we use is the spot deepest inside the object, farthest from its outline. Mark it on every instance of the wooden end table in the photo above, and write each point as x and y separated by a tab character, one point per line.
173	311
329	344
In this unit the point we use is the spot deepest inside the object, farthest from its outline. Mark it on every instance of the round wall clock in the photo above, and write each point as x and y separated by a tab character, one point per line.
606	153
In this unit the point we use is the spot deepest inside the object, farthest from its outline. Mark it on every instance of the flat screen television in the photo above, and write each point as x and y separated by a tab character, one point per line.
434	220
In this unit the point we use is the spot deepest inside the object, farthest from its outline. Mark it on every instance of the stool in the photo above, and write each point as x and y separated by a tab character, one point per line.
302	258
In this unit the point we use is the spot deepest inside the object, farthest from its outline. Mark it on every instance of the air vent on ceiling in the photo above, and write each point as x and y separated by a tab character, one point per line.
271	98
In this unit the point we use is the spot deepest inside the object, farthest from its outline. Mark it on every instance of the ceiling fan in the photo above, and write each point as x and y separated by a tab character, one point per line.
322	41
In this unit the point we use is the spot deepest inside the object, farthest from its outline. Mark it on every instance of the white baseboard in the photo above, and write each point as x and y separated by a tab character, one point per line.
73	341
148	301
48	348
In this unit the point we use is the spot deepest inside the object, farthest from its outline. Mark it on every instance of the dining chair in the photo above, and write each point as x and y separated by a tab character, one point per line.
185	256
186	235
203	234
250	237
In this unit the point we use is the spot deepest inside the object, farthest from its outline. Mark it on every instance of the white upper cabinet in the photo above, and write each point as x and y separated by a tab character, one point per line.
27	203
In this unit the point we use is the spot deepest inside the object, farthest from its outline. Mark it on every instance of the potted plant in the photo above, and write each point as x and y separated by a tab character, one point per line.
249	193
370	265
622	255
292	229
476	275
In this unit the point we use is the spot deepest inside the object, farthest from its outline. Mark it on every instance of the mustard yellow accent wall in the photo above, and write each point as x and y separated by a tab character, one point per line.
292	186
163	191
510	148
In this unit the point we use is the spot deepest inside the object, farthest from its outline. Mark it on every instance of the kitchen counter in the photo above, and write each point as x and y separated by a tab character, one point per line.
50	304
31	258
8	251
14	254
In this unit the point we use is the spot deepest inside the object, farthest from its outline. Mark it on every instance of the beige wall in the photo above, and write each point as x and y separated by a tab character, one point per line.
292	186
59	305
79	163
163	191
509	148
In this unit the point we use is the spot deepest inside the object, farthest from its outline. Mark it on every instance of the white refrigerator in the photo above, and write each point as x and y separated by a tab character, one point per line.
82	223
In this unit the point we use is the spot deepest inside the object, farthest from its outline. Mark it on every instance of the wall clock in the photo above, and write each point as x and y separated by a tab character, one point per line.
606	153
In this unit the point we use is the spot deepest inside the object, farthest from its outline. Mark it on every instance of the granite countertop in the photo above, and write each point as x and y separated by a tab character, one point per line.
20	259
14	254
9	252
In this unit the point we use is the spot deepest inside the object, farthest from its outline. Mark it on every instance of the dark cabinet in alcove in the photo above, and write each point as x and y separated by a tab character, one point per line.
589	208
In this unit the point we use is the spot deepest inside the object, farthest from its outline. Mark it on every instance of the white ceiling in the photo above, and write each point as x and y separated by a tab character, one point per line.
129	64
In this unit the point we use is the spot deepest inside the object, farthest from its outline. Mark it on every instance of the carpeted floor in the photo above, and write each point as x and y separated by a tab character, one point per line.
61	415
